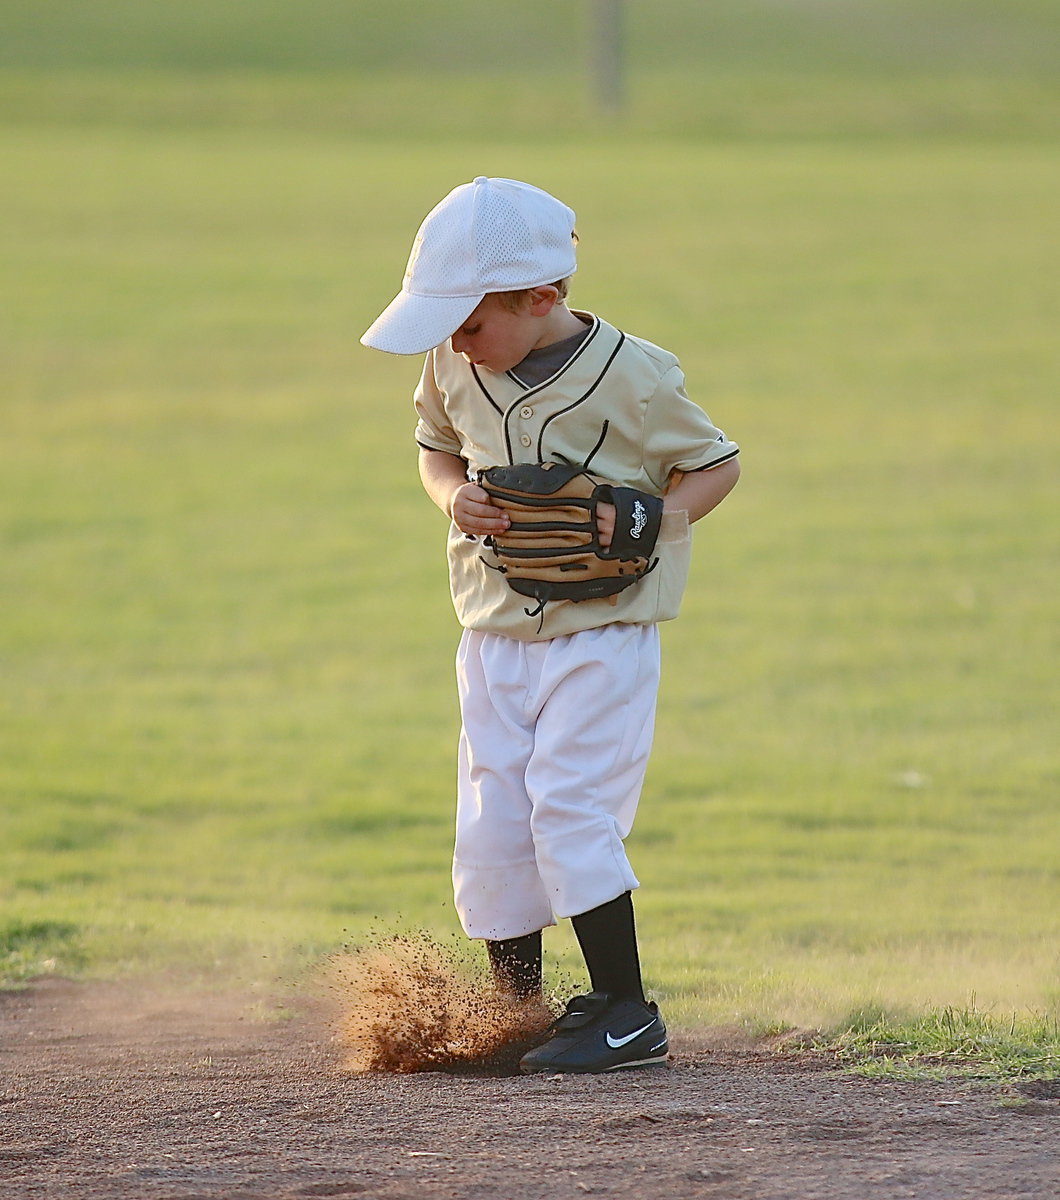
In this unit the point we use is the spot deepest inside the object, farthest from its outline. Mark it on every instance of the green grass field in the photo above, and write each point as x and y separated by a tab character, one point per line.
227	716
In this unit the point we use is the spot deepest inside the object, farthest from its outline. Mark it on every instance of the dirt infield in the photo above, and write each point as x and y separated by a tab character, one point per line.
121	1090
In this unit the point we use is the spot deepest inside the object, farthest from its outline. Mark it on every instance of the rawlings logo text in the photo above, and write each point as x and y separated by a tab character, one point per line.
640	519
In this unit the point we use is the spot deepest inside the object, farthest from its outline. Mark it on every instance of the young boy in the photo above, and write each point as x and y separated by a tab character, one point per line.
557	705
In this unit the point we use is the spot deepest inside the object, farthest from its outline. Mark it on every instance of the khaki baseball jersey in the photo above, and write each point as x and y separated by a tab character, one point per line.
618	406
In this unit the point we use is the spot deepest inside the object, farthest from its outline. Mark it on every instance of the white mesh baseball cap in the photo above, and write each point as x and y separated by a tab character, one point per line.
491	235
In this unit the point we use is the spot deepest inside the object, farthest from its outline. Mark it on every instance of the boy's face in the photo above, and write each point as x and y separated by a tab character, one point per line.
497	338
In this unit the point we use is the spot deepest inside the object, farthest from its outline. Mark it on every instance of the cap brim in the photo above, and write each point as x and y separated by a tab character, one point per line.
413	324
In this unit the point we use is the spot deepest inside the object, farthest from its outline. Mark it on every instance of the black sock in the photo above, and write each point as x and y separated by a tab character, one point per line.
608	938
516	964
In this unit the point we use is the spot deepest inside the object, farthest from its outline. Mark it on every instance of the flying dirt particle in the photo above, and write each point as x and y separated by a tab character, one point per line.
406	1004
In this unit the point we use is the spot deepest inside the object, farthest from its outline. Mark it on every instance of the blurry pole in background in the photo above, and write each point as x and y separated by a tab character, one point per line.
608	55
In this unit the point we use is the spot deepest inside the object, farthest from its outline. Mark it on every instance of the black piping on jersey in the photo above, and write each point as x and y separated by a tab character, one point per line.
530	392
580	400
599	442
482	389
594	329
716	463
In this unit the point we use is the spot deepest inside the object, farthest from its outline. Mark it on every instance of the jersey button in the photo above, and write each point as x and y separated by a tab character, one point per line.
526	413
526	439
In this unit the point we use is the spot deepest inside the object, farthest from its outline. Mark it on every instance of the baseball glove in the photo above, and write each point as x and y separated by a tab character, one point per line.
551	550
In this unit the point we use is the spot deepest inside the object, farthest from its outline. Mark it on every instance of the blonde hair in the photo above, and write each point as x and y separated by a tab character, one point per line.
514	301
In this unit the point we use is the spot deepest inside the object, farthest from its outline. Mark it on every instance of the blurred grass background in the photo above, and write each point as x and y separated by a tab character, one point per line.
226	713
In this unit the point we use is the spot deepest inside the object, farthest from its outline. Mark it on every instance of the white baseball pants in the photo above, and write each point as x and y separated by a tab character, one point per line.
554	746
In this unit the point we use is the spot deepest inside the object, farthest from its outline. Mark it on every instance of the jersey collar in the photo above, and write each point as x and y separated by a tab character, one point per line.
576	377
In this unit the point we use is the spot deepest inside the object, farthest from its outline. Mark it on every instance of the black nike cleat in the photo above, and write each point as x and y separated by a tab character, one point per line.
598	1033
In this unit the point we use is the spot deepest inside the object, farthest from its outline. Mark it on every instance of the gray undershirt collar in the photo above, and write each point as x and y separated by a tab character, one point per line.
542	364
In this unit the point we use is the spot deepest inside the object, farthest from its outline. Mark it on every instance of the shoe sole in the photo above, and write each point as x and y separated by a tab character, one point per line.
639	1062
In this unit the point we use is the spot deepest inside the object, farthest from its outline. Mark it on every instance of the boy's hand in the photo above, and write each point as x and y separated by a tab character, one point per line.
474	514
605	523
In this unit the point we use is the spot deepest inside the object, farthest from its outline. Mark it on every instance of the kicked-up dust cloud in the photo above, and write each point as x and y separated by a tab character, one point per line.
407	1004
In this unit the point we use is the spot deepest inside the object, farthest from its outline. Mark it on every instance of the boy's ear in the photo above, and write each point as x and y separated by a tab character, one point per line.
543	299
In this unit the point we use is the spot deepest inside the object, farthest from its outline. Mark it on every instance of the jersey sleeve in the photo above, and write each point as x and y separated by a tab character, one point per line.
678	434
434	430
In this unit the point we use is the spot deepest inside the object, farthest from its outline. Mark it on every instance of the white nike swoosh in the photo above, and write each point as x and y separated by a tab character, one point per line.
615	1043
